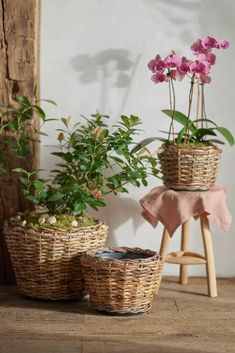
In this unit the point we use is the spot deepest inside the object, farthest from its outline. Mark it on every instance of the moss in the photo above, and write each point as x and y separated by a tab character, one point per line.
193	144
63	221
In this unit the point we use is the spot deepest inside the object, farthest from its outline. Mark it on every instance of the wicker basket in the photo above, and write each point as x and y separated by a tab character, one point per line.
185	168
46	261
122	280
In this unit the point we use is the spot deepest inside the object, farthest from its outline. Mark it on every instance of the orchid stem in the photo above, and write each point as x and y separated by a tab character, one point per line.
172	108
189	106
198	101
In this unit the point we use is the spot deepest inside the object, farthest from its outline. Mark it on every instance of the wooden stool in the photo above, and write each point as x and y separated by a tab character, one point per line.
185	257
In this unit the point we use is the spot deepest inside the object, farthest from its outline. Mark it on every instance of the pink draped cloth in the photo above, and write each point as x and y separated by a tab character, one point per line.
172	208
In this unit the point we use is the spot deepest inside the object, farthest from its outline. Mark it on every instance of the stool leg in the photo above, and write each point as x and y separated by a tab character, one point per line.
163	250
164	243
210	264
184	247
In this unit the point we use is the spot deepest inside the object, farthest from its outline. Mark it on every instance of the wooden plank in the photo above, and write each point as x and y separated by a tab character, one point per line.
19	73
179	321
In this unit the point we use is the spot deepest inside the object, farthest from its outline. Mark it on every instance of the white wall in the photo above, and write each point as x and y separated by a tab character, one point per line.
94	55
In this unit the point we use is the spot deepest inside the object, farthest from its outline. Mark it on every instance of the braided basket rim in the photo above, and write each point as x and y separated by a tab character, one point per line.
189	149
153	255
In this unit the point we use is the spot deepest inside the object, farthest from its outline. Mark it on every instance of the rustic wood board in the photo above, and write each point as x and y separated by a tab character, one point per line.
19	73
179	321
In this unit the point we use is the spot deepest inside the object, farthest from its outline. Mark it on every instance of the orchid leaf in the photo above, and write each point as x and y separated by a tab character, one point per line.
206	120
216	141
226	134
143	143
200	133
180	118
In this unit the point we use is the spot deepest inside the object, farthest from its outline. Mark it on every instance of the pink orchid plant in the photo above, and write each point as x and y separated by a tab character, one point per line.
198	70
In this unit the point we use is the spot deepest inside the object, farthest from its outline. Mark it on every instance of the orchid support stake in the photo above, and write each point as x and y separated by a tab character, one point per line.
198	101
189	106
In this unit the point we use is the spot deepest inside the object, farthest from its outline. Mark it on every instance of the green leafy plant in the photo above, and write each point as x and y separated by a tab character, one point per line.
94	160
18	131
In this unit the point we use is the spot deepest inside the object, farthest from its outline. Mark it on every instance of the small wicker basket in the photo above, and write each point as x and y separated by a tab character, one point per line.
122	280
46	261
187	168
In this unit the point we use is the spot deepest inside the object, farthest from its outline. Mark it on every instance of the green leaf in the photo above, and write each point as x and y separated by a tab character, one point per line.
216	141
122	189
42	196
47	100
38	184
31	198
99	203
24	181
24	101
56	197
143	143
206	120
39	112
180	118
126	121
20	170
144	182
117	160
226	134
13	125
181	134
41	133
79	206
200	133
51	119
135	120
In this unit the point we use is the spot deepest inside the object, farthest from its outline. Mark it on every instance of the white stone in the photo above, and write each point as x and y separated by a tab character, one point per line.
23	223
41	220
74	223
51	220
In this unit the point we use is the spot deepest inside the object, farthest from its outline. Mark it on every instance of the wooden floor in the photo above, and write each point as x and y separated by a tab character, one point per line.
183	319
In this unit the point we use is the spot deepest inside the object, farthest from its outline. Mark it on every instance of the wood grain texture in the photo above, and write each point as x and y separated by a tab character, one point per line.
209	254
19	73
181	319
183	277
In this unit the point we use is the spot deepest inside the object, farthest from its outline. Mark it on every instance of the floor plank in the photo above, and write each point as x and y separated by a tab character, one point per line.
182	319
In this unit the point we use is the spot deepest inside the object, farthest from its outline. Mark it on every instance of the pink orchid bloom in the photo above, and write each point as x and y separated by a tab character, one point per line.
177	75
223	44
210	57
197	48
156	64
151	65
205	79
172	60
198	68
184	65
209	42
160	66
207	66
159	77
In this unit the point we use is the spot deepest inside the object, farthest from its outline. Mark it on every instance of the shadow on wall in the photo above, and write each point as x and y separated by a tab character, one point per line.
119	210
178	17
111	68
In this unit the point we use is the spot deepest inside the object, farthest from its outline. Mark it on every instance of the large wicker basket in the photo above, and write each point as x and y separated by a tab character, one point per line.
46	261
187	168
122	280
